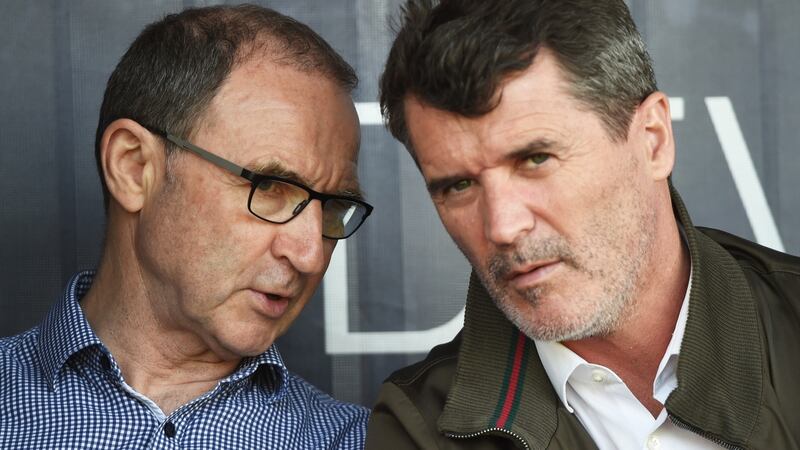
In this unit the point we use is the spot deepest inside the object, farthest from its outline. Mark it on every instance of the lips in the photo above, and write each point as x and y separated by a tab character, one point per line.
272	305
532	274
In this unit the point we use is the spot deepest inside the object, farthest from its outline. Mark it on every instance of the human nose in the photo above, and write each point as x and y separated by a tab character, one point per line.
508	212
300	240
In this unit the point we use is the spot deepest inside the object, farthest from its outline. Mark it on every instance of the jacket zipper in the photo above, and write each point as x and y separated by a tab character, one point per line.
678	423
681	424
489	430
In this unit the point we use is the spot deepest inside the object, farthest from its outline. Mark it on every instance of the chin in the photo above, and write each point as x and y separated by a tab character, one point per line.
242	346
551	331
545	318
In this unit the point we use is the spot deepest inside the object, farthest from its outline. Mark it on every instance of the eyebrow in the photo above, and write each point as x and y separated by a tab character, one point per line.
535	146
276	168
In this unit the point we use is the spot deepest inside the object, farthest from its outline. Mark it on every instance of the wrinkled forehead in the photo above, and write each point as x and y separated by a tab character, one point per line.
269	117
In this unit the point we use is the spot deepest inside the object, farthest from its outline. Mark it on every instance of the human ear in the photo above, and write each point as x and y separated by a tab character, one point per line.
132	159
655	125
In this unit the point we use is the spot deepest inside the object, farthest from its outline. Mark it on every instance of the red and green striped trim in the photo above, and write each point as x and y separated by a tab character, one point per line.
508	401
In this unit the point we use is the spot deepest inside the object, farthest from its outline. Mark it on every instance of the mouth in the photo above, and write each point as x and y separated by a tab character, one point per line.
532	274
273	305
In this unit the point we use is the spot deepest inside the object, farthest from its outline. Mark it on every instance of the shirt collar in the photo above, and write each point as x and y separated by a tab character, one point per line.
65	332
666	380
267	369
560	362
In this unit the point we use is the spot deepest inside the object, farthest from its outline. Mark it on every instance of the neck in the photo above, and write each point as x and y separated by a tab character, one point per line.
635	350
162	360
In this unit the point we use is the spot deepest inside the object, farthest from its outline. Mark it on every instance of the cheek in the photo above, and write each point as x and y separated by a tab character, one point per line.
607	222
205	222
574	203
465	227
203	231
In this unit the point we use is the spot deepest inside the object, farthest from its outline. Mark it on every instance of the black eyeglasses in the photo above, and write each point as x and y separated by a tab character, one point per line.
279	200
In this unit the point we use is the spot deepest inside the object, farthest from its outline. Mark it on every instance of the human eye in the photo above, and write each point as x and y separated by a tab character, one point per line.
275	194
275	199
536	159
459	186
454	194
273	188
266	186
452	188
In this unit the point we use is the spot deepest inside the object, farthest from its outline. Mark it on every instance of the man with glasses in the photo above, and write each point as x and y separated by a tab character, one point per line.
598	316
227	147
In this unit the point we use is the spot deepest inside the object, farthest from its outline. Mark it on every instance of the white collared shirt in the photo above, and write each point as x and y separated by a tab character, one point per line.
608	410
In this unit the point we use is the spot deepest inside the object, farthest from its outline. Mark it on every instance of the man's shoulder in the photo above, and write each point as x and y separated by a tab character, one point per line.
422	388
328	422
318	403
773	276
20	370
434	372
754	256
412	399
19	348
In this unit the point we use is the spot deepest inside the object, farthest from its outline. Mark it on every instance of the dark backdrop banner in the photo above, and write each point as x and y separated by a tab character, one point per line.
397	288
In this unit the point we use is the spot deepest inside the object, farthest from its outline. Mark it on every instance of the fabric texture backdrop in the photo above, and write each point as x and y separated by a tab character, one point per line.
730	67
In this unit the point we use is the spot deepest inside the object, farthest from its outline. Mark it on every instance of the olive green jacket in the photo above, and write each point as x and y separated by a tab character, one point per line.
738	368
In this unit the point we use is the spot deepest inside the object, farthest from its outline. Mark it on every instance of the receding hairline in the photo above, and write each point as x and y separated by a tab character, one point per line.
565	85
269	48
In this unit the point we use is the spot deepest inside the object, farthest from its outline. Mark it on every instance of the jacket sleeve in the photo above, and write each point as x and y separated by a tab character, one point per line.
396	423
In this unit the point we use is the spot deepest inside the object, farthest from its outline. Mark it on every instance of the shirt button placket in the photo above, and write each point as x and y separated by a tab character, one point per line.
653	443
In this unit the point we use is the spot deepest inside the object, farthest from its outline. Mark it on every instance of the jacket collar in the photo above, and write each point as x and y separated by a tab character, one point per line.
498	369
500	382
720	365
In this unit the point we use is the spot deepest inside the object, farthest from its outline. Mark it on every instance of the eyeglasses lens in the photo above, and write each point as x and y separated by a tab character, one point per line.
278	202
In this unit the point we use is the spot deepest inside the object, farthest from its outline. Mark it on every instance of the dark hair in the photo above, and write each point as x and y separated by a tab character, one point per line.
454	54
175	67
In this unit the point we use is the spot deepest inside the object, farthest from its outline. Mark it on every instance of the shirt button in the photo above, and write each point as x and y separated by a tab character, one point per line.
105	362
653	443
169	429
598	376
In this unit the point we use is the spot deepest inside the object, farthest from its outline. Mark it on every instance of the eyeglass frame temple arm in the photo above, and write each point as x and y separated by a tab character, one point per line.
208	156
241	171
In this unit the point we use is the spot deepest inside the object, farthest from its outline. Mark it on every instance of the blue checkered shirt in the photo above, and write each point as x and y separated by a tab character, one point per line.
61	388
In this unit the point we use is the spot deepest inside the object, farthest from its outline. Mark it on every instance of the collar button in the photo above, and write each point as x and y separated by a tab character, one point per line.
169	430
105	362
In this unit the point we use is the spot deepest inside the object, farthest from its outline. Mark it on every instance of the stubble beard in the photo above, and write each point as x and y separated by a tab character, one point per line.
602	310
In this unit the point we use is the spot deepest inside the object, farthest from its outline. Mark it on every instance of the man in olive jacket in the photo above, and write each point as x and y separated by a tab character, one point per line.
597	316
